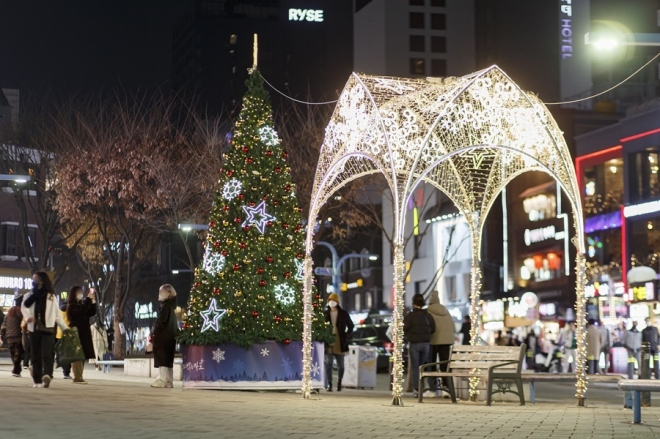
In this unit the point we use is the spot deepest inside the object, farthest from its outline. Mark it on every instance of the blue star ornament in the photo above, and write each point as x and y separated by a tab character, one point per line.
257	216
212	316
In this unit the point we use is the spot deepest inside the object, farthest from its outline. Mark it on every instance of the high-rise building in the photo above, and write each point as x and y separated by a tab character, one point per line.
305	48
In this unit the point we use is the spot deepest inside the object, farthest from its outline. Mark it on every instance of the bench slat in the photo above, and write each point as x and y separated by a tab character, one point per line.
493	349
485	357
455	374
479	365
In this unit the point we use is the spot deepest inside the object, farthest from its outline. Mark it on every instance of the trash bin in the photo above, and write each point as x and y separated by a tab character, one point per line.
360	367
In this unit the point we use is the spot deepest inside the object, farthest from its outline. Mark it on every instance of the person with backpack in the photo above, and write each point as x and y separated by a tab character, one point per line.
418	327
650	336
164	335
12	335
42	313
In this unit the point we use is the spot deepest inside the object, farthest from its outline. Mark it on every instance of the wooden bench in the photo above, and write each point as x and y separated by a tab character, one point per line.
498	365
532	378
637	386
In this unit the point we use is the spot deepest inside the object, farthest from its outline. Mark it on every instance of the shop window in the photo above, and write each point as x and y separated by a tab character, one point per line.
644	174
416	43
417	66
438	44
603	192
450	288
416	20
438	3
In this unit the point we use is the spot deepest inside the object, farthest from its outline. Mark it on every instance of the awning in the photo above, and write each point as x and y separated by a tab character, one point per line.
540	189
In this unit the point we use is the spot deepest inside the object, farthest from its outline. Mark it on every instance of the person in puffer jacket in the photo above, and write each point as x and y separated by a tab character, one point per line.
442	339
418	327
12	335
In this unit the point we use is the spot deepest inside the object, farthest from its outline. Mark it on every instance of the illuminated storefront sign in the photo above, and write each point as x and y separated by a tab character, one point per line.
547	310
540	207
306	15
566	29
10	282
642	292
493	311
532	236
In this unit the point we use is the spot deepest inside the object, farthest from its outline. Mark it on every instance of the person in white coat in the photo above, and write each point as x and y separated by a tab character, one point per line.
42	313
100	340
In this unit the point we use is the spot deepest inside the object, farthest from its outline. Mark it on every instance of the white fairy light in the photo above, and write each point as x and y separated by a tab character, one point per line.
466	136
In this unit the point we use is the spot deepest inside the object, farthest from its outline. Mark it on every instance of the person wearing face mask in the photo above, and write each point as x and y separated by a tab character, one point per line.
79	309
164	337
342	328
41	312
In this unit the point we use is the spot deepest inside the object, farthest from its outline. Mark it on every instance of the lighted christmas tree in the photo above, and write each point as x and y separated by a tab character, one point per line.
248	288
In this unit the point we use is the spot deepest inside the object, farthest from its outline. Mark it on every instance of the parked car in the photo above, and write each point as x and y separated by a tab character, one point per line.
375	335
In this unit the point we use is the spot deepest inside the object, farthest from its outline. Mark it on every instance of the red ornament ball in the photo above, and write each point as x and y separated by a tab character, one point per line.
317	296
242	245
262	283
245	149
197	284
269	259
278	319
265	197
299	256
216	291
225	208
216	244
186	326
251	204
240	196
229	172
248	160
211	224
284	154
224	253
269	223
236	267
285	225
287	341
287	274
269	152
255	314
246	228
315	305
260	270
287	188
237	220
277	170
275	202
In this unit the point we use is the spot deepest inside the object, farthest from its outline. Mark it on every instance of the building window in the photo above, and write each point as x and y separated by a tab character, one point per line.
416	43
438	44
450	288
438	3
438	22
419	285
417	66
438	67
644	175
416	2
9	243
416	20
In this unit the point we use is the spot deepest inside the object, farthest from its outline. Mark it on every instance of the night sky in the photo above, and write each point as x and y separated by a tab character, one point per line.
78	46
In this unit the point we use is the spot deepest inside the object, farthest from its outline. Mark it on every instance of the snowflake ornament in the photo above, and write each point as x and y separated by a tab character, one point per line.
231	189
218	355
265	352
213	262
285	294
268	135
316	369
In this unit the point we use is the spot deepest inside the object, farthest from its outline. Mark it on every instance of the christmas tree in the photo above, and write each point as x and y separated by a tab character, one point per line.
248	288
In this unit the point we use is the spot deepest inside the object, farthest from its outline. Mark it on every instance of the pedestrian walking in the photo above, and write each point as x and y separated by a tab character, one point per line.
632	341
418	327
568	340
79	310
27	351
164	335
66	369
342	328
650	336
501	340
42	313
594	344
441	341
605	348
465	330
12	335
100	341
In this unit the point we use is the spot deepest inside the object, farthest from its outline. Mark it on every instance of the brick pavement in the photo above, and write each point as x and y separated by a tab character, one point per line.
114	406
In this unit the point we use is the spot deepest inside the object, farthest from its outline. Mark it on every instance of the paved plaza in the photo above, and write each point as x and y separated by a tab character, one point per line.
115	406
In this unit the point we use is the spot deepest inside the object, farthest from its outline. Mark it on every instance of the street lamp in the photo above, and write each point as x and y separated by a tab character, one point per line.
337	263
15	178
609	41
190	227
186	270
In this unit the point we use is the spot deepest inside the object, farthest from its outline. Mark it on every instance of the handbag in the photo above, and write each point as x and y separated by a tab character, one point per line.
149	348
69	349
39	326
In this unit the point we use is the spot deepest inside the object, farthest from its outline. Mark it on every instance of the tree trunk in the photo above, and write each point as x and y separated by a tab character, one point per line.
119	348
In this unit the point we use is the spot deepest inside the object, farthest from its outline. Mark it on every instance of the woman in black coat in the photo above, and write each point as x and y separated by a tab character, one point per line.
78	311
164	337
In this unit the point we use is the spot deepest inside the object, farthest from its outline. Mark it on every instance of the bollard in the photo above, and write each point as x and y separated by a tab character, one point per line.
645	372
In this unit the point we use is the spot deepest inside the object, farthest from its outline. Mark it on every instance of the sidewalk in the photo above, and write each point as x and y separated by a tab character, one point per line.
114	406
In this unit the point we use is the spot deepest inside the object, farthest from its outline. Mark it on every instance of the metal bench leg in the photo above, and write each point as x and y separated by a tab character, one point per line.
637	407
489	400
532	392
521	393
450	386
420	387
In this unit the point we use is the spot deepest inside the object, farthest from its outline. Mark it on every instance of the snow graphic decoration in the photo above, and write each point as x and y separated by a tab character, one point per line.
231	189
316	369
261	217
213	262
264	352
268	136
218	355
212	316
285	294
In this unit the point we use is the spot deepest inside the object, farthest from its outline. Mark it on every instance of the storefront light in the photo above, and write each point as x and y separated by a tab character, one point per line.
613	169
641	209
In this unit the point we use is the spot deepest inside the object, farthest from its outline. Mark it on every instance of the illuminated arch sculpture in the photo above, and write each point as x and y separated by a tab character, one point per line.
466	136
